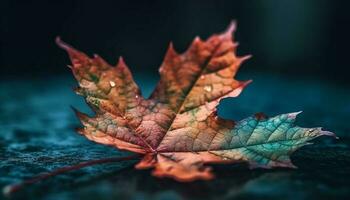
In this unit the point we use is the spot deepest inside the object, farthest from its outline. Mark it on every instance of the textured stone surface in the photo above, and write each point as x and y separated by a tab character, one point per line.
37	135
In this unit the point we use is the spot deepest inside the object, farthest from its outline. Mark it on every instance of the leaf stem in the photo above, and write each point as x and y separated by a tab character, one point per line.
10	189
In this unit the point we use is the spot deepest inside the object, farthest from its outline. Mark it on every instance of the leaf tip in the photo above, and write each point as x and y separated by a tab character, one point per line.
293	115
62	44
197	40
170	53
292	166
244	84
328	133
72	52
58	40
244	58
171	49
247	82
230	29
121	62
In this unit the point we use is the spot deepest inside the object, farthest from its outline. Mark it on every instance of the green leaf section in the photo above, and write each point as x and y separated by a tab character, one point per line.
267	142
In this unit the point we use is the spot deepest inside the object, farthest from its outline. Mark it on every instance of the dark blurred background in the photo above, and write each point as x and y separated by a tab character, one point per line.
300	62
301	38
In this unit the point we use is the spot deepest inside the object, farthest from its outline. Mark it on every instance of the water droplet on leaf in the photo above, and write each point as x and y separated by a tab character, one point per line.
208	88
112	83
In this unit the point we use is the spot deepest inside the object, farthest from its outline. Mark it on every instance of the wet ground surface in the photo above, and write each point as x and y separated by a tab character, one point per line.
37	135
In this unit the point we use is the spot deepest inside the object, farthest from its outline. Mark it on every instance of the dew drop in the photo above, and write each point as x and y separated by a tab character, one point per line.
112	83
202	77
136	96
208	88
225	158
84	83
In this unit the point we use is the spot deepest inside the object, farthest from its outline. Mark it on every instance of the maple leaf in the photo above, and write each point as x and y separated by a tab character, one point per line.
177	127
